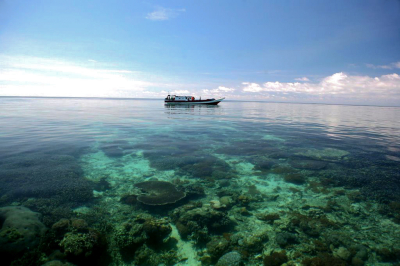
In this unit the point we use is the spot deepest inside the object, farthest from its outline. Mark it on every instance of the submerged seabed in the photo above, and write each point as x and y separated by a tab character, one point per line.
84	181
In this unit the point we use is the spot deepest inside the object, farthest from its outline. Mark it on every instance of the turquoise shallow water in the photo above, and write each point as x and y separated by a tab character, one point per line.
297	183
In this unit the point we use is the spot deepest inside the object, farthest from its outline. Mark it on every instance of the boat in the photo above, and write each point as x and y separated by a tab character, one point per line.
175	99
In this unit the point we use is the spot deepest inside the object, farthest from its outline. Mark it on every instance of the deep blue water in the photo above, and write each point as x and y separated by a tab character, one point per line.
58	149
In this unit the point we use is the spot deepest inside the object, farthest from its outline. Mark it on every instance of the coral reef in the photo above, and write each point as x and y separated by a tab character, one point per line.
307	164
268	217
198	223
217	246
143	238
49	176
116	148
275	259
230	259
245	198
159	193
324	259
297	179
20	231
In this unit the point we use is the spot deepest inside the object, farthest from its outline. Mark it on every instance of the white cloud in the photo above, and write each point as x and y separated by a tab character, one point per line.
180	92
225	89
218	91
302	79
162	13
252	87
390	66
32	76
339	84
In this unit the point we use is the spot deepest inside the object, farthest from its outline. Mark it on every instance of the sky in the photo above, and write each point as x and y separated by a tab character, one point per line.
309	51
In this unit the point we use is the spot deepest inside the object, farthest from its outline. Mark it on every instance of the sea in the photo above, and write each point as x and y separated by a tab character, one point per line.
89	181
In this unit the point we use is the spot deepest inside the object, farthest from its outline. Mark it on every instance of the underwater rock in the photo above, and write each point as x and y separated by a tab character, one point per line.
159	193
308	164
275	259
230	259
217	246
20	231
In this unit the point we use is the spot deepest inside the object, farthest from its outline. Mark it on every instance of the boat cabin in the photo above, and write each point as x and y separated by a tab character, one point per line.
179	98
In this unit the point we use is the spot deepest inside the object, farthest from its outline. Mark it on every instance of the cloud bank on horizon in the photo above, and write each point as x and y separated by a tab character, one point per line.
22	76
271	52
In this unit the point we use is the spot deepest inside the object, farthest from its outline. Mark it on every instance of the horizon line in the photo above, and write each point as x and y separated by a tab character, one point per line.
125	98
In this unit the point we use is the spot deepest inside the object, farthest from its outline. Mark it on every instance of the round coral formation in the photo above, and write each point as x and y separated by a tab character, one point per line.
21	230
159	193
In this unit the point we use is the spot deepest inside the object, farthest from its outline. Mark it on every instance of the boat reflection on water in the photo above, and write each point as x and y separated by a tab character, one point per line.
188	106
175	111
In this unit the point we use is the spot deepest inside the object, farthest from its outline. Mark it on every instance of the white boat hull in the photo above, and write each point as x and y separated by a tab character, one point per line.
210	102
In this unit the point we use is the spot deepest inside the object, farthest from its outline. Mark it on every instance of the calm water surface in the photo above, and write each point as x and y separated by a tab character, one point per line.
28	124
57	151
